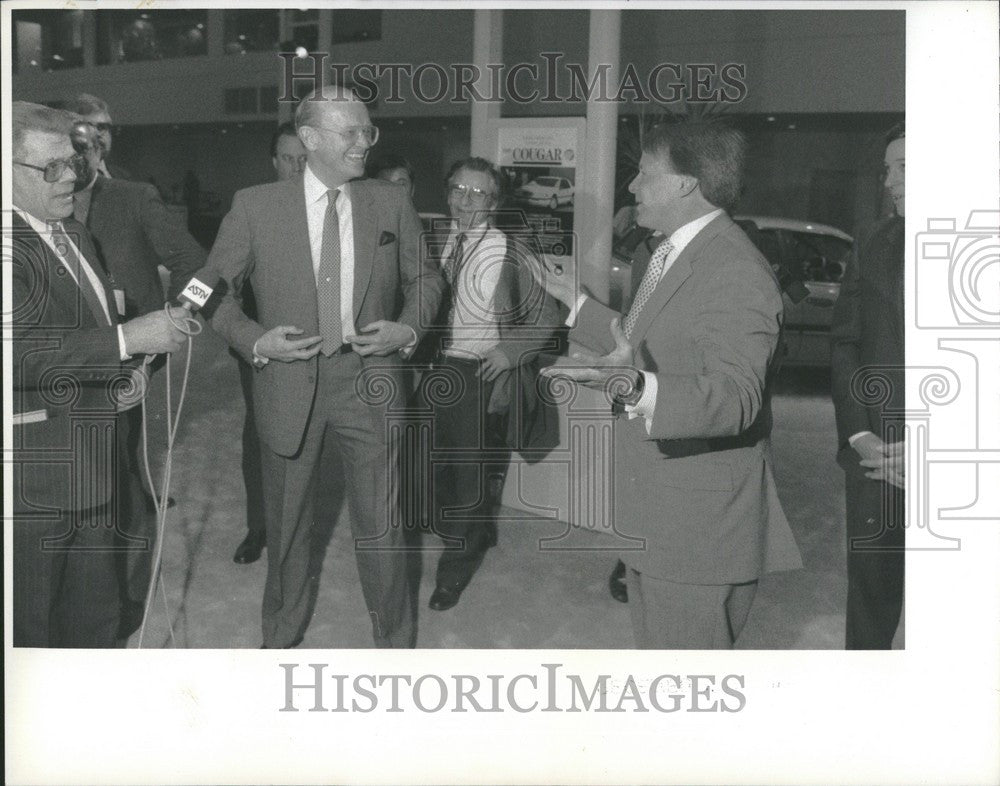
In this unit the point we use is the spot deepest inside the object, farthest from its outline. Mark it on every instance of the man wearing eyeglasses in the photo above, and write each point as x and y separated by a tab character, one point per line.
342	289
71	353
134	233
95	111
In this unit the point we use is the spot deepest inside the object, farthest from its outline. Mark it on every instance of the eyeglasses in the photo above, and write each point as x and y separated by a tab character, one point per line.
368	134
104	128
292	160
53	170
476	195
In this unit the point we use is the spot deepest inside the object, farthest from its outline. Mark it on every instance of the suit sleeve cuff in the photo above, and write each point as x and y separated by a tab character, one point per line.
258	359
855	437
122	351
407	350
646	405
573	312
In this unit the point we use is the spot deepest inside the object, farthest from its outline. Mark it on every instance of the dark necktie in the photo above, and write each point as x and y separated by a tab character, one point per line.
452	266
71	259
454	260
328	281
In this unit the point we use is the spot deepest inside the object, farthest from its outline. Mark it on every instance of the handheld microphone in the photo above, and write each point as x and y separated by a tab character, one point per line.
196	294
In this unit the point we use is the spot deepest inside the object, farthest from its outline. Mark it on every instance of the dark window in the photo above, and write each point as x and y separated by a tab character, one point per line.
240	100
355	25
269	99
47	40
251	31
132	36
821	258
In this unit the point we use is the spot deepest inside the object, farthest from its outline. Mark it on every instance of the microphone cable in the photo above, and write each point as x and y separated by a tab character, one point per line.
190	327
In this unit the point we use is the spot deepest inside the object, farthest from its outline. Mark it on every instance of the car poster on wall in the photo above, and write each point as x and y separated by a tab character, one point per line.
539	166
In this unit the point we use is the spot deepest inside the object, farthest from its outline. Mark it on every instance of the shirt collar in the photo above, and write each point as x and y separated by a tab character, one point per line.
315	190
681	237
41	227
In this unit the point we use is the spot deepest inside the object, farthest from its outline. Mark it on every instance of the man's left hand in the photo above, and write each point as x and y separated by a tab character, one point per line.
595	371
381	338
494	364
892	468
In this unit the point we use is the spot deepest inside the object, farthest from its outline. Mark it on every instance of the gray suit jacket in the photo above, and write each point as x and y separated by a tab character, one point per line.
264	239
699	487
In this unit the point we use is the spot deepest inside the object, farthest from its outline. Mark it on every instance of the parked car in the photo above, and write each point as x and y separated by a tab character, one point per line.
546	191
809	260
810	254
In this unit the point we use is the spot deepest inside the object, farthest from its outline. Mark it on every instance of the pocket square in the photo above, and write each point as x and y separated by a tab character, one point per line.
386	239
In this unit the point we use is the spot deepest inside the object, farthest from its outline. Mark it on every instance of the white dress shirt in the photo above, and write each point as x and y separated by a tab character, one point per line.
43	229
316	204
475	327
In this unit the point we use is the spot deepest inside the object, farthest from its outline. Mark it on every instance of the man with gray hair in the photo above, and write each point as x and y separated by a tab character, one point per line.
343	292
72	356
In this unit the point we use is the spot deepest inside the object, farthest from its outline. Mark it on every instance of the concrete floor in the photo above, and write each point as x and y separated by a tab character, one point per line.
521	597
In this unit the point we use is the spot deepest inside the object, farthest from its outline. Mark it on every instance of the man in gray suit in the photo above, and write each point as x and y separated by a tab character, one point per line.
689	365
343	289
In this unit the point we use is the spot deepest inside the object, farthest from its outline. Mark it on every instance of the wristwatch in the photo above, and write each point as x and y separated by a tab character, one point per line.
631	396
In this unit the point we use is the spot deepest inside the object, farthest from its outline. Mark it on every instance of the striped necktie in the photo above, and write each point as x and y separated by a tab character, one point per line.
328	279
649	281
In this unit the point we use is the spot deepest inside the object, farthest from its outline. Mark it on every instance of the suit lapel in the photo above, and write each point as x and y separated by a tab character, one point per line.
86	245
291	222
676	275
59	285
365	240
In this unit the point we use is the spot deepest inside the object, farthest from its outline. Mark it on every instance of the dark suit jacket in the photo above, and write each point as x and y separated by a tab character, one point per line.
134	232
265	239
868	330
66	361
699	486
530	320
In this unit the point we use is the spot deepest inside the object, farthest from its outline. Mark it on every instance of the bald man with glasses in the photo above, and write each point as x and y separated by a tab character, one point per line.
344	291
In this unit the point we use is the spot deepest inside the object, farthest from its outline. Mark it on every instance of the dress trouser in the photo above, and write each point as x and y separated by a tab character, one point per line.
137	526
667	615
462	510
251	462
875	561
360	432
65	584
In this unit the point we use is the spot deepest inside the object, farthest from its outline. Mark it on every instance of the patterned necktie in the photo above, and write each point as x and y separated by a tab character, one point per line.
453	262
649	281
67	253
328	279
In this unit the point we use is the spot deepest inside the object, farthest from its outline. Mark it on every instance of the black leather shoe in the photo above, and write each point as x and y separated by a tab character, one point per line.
249	550
444	598
617	585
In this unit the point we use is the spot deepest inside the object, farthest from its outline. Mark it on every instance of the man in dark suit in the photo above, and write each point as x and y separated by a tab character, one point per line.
342	286
95	111
72	361
288	157
689	366
133	232
868	332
